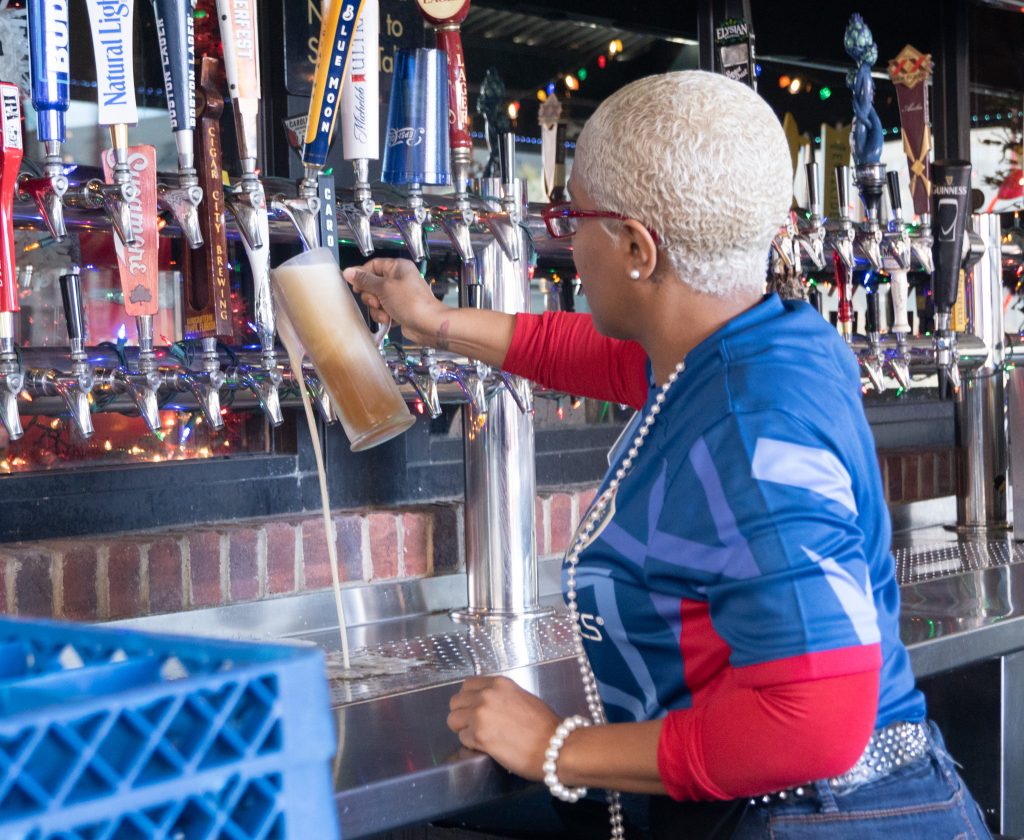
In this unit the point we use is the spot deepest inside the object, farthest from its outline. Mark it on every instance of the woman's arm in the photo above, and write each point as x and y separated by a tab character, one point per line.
745	742
560	350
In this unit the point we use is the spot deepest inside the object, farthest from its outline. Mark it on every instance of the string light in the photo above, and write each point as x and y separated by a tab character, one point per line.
615	47
602	62
571	83
542	96
784	81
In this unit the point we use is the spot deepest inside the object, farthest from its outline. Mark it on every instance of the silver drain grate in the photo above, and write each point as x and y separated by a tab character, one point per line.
403	665
939	560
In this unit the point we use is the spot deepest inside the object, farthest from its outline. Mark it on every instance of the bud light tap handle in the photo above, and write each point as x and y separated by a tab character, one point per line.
11	151
951	187
50	60
337	28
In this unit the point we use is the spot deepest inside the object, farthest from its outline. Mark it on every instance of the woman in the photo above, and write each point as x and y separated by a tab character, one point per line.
737	559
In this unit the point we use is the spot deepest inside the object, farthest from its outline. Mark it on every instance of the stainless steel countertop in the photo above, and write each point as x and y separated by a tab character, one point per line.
397	764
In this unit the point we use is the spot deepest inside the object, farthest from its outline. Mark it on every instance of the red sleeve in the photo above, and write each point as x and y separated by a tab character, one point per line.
563	351
750	741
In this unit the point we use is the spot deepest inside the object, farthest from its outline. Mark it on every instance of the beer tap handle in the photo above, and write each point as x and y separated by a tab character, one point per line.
71	298
49	59
843	191
12	153
176	26
360	122
76	388
239	32
951	184
892	179
813	195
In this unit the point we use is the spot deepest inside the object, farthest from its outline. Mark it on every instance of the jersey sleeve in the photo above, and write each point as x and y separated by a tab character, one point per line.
563	351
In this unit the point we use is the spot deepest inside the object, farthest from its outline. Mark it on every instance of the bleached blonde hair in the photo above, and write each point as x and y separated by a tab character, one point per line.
700	159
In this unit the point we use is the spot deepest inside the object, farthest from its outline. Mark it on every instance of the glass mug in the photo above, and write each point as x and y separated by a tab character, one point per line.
316	307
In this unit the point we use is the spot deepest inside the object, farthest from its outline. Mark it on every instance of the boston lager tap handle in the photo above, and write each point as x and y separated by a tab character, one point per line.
176	27
951	187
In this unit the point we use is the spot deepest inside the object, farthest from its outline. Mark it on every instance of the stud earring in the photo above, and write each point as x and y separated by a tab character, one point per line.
634	274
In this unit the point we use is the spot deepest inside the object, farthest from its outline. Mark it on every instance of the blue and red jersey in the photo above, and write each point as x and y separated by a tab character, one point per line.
746	556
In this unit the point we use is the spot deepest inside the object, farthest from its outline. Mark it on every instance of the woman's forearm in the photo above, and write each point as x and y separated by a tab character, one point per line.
623	756
481	334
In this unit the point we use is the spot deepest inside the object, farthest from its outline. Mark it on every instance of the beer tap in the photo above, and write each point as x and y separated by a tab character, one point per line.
206	284
447	21
11	151
811	232
840	235
897	250
416	149
115	77
176	30
75	388
138	270
870	179
337	27
360	123
873	362
247	203
951	185
50	60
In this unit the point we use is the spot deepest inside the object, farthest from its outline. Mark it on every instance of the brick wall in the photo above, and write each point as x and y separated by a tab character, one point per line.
127	575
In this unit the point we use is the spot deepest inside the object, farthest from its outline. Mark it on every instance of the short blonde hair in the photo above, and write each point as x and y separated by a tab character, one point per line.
700	159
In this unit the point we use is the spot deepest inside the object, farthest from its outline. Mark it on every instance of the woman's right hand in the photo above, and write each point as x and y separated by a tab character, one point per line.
393	290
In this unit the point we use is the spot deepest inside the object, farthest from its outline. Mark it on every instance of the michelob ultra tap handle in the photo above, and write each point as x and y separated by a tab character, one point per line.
175	27
50	60
240	37
112	46
338	26
12	151
446	16
360	95
951	187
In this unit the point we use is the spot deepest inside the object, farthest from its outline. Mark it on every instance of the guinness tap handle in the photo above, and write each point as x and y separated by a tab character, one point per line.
71	296
951	187
337	27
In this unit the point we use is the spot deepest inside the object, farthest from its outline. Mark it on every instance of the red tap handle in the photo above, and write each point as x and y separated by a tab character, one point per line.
446	16
12	151
845	303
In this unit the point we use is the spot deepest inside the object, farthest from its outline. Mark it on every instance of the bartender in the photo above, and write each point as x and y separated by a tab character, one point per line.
733	582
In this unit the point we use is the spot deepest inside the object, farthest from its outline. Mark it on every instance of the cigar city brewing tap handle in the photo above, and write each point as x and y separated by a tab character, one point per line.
175	27
951	186
360	122
240	38
11	151
50	62
111	25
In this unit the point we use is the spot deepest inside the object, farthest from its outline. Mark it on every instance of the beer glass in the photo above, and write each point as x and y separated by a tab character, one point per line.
314	300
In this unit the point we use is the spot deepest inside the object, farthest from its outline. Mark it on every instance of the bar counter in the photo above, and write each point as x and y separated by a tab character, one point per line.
399	765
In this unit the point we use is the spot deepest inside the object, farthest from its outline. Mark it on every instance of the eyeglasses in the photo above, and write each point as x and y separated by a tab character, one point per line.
562	221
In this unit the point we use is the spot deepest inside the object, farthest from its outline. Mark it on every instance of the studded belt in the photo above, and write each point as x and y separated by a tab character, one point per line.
890	748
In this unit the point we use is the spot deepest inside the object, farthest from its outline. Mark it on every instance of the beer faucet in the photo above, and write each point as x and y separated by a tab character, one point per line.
897	250
416	149
247	203
360	123
870	179
840	234
811	232
176	30
11	151
951	184
49	57
115	75
337	27
447	22
206	284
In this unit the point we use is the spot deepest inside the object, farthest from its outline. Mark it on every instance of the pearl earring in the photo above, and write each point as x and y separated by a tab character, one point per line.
634	274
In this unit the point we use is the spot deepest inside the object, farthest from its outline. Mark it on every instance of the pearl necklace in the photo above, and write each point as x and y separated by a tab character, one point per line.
582	538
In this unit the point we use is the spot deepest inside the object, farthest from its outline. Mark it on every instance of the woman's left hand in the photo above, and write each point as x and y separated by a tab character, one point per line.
496	716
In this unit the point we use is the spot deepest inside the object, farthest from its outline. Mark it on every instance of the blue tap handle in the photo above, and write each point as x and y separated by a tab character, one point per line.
175	28
50	54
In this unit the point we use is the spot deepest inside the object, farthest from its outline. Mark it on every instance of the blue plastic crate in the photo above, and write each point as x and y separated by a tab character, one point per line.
112	734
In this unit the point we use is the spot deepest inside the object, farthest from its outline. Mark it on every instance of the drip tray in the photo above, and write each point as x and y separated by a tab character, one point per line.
945	559
467	650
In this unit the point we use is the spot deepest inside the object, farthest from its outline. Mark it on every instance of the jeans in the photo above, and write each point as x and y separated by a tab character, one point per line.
925	800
